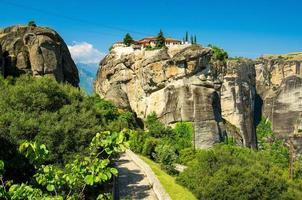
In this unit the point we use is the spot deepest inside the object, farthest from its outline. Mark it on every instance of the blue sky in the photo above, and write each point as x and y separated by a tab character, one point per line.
243	28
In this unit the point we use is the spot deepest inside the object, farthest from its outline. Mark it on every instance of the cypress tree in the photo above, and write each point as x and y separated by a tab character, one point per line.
187	36
160	40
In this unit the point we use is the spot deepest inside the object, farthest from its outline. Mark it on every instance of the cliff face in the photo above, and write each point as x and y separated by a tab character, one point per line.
279	83
181	83
238	95
36	50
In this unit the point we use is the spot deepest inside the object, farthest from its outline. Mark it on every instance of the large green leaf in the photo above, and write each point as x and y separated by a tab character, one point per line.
89	180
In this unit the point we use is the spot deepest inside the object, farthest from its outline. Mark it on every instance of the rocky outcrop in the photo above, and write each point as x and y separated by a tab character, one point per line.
279	82
180	83
1	63
36	50
238	95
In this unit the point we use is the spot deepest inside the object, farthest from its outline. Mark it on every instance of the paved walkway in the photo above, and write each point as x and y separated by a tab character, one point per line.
132	182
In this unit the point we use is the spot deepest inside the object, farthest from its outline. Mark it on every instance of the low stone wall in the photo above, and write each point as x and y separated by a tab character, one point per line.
156	185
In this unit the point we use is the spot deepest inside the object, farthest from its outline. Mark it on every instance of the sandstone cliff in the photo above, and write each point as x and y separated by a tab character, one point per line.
36	50
238	95
279	83
181	83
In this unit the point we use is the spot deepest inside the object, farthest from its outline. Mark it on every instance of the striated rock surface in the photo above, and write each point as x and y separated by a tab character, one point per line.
36	50
238	95
279	83
181	83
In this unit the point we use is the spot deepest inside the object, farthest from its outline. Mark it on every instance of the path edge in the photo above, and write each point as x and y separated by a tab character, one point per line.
157	187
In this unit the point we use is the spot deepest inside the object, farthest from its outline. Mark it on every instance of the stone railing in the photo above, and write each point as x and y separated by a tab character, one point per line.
154	182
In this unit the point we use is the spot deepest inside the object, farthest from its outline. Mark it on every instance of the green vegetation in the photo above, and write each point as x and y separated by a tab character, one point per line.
231	172
227	171
32	23
162	144
61	117
219	53
128	40
287	57
175	190
72	181
160	40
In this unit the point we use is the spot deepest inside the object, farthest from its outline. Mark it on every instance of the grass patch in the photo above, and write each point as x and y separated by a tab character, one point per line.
175	191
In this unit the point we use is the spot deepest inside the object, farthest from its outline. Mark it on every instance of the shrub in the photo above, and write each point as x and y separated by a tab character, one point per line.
58	115
137	140
231	172
166	156
186	155
75	179
268	142
219	53
155	127
183	135
149	147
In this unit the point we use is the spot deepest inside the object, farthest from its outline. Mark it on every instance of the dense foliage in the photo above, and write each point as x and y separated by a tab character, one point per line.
227	171
162	144
231	172
72	181
219	53
58	115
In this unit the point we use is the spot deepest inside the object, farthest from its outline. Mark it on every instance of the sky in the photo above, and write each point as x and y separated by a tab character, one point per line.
243	28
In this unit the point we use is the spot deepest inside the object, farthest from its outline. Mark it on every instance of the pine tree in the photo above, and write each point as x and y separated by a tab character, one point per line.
160	40
192	40
128	40
195	39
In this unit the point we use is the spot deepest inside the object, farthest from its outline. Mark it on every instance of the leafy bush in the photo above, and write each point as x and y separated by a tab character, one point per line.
186	155
219	53
71	182
268	142
149	147
231	172
58	115
155	127
137	140
183	135
166	156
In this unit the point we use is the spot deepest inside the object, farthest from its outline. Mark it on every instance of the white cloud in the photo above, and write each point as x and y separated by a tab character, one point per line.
84	52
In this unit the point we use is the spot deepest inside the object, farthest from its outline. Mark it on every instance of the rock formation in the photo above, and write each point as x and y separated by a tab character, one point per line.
36	50
238	94
279	83
181	83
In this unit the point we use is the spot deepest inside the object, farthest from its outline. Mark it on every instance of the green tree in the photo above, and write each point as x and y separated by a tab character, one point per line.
32	23
195	39
160	40
58	115
187	36
128	40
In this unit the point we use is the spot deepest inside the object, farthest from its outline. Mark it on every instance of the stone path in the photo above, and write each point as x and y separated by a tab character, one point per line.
132	182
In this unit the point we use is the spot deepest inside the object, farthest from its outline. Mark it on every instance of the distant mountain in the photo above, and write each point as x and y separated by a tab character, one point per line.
87	73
